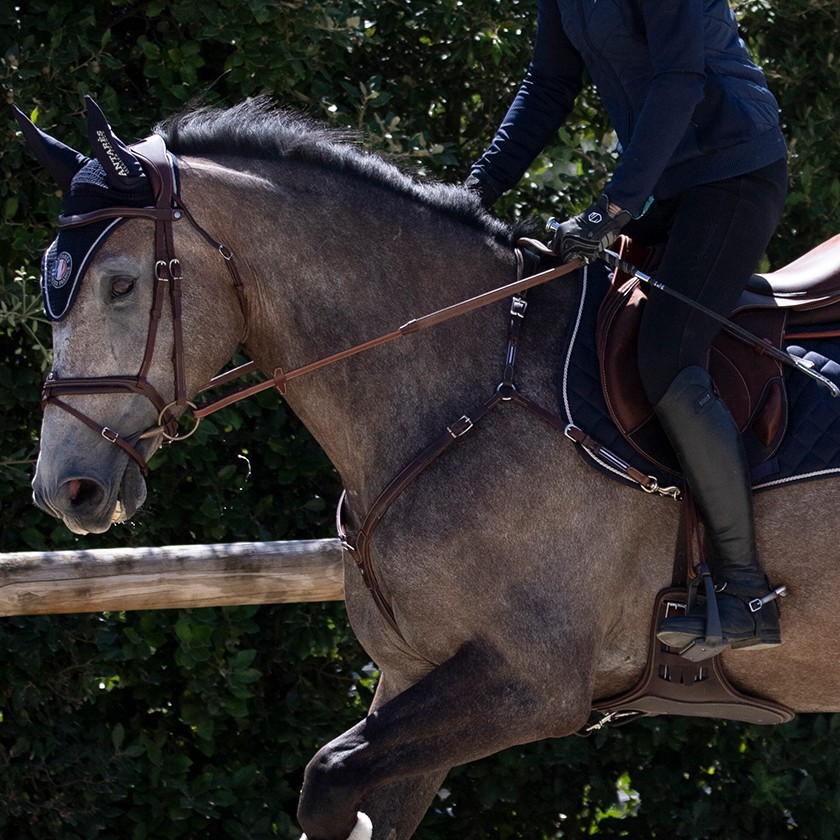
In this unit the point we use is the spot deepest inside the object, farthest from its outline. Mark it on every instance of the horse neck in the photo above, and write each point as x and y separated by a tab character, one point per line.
329	269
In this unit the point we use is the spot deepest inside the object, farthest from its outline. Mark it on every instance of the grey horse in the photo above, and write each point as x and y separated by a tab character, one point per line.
519	581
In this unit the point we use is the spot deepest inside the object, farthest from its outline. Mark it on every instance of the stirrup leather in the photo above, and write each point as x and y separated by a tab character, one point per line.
714	643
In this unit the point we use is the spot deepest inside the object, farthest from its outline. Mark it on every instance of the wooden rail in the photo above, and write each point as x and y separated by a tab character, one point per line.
46	582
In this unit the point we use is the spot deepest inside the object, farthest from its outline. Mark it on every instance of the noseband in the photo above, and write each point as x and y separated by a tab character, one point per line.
168	208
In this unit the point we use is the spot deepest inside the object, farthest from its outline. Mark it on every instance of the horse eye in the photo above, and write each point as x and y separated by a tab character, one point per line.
121	286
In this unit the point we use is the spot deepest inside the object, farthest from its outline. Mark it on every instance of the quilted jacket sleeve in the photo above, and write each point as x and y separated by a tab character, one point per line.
675	36
544	100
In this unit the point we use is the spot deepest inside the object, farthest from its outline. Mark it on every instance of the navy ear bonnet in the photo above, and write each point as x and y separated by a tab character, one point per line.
113	177
66	260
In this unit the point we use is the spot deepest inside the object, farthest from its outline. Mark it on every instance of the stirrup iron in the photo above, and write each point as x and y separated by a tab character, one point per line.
713	644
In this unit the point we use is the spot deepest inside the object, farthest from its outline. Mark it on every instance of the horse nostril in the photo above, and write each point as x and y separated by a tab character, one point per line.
83	492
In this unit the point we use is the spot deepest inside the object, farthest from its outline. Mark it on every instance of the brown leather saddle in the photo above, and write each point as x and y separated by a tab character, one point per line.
800	298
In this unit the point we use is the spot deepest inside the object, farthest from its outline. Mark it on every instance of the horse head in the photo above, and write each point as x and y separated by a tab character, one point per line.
112	286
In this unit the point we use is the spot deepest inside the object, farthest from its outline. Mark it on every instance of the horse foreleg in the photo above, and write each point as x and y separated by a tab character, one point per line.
396	808
471	706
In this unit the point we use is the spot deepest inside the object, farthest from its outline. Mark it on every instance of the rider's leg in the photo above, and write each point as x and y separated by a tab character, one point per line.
716	234
711	453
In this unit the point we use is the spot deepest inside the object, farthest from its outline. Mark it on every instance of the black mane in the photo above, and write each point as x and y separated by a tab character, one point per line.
256	129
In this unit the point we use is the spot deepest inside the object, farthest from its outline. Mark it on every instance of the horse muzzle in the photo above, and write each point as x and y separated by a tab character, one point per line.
89	503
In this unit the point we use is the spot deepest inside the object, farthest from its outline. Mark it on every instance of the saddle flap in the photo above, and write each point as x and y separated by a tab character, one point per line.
751	383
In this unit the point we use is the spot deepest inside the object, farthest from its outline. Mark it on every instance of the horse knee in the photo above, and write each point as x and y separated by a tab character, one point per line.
328	800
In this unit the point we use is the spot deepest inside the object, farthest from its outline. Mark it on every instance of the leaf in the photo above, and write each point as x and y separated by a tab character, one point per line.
10	206
118	736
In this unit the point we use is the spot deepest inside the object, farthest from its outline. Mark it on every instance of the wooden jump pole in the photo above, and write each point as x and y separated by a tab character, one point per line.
117	579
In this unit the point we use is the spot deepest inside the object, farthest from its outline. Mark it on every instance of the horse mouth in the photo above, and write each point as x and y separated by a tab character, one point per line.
86	505
118	514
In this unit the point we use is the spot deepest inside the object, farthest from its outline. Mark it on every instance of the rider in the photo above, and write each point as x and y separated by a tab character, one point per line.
703	171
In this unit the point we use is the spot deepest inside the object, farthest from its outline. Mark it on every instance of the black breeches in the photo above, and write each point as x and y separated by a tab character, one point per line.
715	235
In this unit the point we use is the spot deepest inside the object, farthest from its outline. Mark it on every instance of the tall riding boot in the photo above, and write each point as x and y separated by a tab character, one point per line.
711	453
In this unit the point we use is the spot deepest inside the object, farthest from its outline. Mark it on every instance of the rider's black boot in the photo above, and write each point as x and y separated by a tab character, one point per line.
711	453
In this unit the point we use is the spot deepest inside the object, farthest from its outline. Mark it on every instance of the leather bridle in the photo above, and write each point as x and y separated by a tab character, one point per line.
168	209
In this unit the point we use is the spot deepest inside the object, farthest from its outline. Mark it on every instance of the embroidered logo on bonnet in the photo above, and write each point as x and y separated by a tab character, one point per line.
62	271
67	259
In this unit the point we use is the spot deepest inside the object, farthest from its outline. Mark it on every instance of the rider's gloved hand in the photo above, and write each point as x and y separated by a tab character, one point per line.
584	235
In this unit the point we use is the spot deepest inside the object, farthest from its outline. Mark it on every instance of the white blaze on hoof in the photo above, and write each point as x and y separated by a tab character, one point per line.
363	830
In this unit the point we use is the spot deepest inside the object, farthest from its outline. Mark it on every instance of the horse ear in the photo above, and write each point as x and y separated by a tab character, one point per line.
122	167
60	161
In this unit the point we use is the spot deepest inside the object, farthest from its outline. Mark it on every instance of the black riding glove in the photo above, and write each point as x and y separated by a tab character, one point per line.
584	235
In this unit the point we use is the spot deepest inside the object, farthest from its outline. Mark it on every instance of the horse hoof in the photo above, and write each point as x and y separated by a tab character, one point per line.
363	830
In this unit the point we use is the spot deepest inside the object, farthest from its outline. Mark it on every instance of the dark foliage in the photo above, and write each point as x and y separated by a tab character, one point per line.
195	724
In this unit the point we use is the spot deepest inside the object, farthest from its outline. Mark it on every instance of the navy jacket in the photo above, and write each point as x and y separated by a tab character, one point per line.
687	103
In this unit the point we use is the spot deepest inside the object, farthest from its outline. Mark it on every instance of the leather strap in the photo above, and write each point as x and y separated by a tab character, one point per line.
358	543
280	378
109	434
648	483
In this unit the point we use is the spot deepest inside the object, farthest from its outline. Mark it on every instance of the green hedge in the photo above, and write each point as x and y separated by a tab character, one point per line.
194	724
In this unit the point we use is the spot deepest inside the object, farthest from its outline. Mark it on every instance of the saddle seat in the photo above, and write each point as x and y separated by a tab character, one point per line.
811	282
799	300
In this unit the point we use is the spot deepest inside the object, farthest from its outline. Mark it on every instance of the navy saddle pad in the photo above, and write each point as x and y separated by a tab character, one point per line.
811	446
